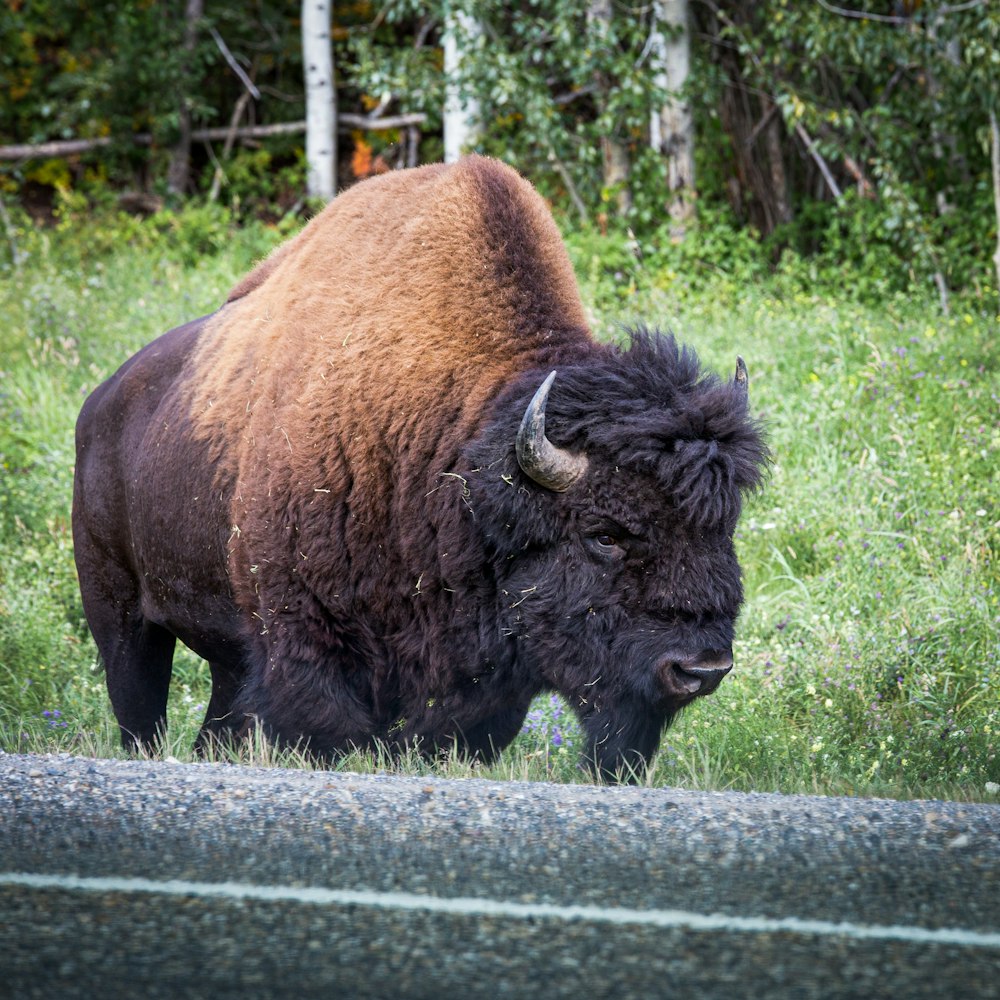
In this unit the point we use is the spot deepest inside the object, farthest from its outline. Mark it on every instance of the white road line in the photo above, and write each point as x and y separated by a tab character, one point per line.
476	907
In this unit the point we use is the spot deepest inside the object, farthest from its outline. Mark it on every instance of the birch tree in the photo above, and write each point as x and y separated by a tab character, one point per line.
995	163
671	131
321	99
180	157
460	112
614	152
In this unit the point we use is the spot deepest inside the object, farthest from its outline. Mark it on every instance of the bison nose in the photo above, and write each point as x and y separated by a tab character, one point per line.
686	676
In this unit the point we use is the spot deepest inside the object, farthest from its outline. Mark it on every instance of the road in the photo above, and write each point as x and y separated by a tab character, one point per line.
128	879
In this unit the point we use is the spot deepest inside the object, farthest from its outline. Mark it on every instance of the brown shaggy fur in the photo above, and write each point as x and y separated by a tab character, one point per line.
405	306
315	488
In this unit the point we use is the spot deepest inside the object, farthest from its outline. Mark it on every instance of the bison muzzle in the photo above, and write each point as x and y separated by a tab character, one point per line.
393	489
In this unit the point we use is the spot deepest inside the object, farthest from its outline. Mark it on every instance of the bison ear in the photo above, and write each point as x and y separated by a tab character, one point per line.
742	380
554	468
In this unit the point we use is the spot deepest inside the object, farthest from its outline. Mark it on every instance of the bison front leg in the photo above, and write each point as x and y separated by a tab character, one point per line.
621	742
485	739
306	702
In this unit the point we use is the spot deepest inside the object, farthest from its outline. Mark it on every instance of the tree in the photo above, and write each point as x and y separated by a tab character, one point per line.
671	127
180	159
460	110
995	158
749	114
614	151
866	126
321	99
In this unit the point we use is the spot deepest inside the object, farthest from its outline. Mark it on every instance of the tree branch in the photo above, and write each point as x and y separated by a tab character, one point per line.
562	99
61	147
863	15
761	125
574	195
865	186
368	124
219	176
70	147
234	65
811	149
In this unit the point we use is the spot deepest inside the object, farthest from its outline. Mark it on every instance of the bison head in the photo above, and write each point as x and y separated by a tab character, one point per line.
608	518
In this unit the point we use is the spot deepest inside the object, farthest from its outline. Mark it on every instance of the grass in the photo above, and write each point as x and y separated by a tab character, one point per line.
868	657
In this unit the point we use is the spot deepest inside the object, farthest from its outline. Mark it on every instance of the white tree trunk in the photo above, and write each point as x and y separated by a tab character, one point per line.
995	158
670	129
460	115
321	99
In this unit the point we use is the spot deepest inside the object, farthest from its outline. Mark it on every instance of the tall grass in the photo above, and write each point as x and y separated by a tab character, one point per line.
868	657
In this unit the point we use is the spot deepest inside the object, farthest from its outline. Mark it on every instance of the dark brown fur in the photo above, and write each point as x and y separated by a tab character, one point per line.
315	489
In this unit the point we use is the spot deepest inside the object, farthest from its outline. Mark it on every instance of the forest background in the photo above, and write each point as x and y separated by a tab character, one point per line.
821	179
856	138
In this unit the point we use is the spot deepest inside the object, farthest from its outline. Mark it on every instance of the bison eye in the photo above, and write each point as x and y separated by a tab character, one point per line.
607	546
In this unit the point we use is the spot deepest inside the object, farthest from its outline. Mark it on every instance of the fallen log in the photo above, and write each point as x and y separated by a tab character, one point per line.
71	147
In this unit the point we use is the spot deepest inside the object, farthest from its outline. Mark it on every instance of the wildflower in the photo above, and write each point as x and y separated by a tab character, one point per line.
53	718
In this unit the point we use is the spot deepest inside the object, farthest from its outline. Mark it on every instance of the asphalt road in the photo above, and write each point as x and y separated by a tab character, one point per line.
132	879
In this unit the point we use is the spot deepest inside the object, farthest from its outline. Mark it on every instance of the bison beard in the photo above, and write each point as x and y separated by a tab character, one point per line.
359	492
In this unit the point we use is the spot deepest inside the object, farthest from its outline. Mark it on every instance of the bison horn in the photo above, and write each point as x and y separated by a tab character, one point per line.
549	466
742	380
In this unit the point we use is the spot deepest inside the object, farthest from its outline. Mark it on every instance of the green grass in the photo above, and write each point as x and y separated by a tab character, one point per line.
868	657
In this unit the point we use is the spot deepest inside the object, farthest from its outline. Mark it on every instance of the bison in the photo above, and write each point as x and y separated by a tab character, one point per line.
393	489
